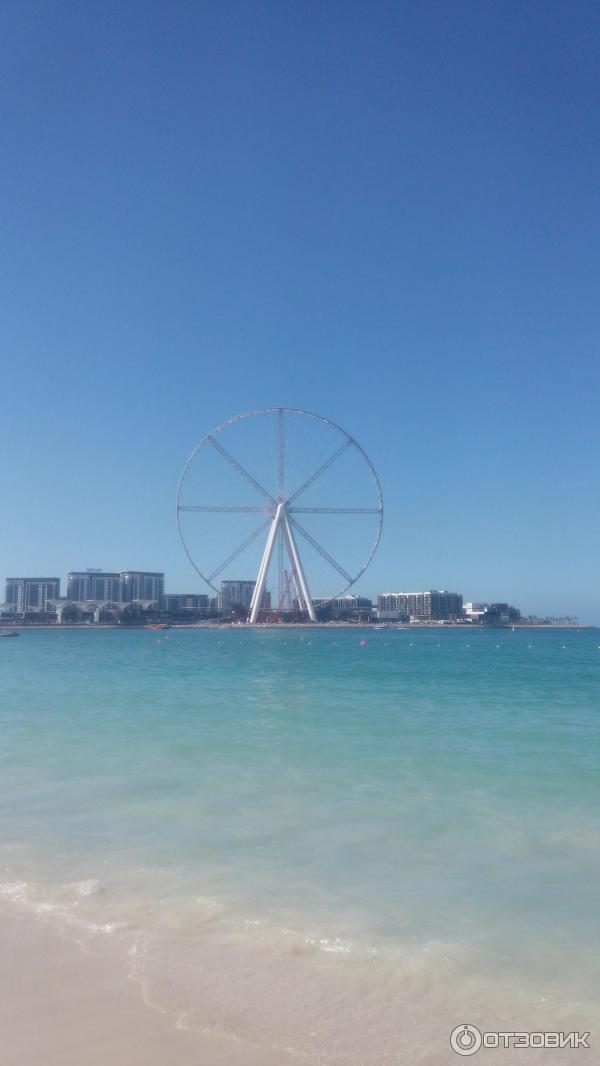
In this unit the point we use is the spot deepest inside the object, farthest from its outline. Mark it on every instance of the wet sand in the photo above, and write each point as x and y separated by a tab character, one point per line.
62	1007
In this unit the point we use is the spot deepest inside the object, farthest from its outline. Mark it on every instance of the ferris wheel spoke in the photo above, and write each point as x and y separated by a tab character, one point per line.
320	470
240	469
202	507
280	453
318	547
334	510
238	551
276	501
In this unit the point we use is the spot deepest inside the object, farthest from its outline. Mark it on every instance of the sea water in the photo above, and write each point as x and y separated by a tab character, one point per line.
342	842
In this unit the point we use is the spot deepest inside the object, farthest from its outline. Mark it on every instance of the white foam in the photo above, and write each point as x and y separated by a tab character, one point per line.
91	887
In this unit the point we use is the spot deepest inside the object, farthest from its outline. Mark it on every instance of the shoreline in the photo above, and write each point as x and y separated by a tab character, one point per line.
407	626
91	1008
87	1011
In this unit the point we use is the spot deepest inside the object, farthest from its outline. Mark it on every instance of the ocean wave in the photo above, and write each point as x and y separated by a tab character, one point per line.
58	903
328	999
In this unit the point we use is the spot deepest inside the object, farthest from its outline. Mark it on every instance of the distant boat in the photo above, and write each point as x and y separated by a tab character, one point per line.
384	626
158	625
9	633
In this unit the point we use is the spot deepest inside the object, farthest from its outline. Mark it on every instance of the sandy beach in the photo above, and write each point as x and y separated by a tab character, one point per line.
60	1006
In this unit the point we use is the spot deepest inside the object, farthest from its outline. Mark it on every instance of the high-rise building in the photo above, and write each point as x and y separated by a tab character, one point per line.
31	593
141	585
123	587
239	594
235	594
92	584
434	605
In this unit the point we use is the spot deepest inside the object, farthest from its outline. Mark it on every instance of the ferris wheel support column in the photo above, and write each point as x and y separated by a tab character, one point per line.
298	570
263	569
302	603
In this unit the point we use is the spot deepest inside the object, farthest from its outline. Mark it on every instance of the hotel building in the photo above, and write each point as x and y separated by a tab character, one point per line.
141	585
123	587
91	584
434	605
31	593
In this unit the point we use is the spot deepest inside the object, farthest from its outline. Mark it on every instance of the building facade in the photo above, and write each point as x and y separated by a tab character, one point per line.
91	584
501	614
141	585
31	593
475	612
236	594
433	605
343	607
123	587
173	601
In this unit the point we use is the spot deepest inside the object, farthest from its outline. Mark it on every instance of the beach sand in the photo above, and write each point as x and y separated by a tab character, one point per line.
62	1007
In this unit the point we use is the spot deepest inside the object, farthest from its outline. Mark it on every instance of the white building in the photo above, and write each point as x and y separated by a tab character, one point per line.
475	612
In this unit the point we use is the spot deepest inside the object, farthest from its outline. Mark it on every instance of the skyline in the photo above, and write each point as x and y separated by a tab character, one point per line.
391	221
97	573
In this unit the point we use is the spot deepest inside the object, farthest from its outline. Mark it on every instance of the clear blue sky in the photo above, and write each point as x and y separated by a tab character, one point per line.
387	213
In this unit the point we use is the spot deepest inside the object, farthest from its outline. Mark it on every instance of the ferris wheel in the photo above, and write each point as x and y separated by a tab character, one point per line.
314	492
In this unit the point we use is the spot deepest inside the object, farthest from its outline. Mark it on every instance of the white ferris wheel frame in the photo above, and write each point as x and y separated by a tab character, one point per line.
281	516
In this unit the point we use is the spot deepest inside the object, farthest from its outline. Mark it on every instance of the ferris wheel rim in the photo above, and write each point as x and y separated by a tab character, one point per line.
233	420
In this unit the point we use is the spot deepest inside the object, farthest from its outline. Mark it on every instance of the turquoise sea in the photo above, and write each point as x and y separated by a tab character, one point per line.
299	839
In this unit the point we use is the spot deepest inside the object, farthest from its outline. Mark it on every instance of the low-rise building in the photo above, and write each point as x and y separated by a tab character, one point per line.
433	605
71	612
501	614
474	612
185	601
492	614
343	608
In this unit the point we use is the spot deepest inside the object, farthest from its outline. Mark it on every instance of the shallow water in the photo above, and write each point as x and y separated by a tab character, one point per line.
287	836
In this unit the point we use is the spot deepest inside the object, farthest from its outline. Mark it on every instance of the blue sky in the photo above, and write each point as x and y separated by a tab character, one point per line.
386	213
